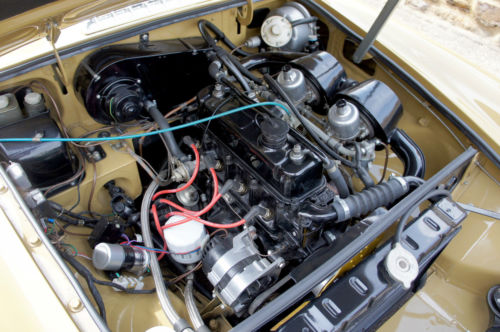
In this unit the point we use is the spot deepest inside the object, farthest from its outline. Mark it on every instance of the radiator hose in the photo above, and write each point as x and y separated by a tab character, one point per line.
371	198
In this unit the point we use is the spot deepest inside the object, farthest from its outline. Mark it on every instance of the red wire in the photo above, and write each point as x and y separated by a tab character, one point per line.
197	213
191	180
214	200
192	215
158	228
205	222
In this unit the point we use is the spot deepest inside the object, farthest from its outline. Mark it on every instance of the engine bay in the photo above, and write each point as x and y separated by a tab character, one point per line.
222	174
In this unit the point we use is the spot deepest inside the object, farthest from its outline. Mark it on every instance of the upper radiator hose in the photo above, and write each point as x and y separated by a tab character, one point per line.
369	199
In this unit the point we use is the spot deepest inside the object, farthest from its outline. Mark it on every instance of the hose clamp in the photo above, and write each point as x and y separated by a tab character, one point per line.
402	182
345	207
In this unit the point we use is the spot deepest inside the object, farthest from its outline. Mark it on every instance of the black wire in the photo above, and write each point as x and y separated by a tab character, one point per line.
306	20
73	215
83	213
233	69
90	282
244	69
406	216
362	172
80	268
80	179
240	95
203	25
71	221
224	102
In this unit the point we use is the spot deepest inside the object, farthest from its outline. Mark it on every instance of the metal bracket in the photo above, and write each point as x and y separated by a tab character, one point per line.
245	14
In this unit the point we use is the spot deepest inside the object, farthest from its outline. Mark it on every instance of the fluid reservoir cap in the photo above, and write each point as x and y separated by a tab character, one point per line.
276	31
274	133
182	240
33	98
4	101
401	265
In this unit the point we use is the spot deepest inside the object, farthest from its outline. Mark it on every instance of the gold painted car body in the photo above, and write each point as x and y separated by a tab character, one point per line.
36	293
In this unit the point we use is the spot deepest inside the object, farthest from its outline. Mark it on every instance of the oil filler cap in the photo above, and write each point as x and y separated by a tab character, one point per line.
401	265
274	133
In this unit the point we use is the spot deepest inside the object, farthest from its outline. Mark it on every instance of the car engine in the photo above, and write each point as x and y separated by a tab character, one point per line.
255	166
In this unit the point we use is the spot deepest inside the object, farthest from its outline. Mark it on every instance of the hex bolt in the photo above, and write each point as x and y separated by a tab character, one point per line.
218	165
268	215
242	189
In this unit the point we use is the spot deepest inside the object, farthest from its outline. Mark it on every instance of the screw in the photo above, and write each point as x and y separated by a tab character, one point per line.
34	241
75	305
3	189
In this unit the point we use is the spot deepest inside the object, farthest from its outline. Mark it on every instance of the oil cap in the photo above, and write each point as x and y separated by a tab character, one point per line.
274	133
